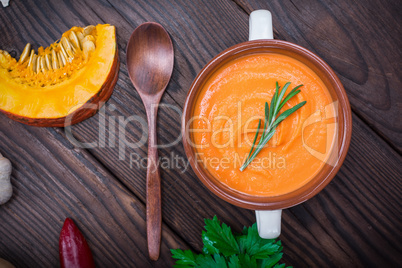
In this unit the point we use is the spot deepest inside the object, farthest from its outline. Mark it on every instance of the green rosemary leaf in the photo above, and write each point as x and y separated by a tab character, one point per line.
273	101
272	119
278	103
266	111
292	93
287	113
262	143
266	118
288	98
258	148
255	138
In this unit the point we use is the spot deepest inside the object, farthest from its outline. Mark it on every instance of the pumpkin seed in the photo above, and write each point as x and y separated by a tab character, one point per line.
89	38
74	40
80	38
31	58
70	53
25	53
68	47
63	52
88	29
48	62
55	61
33	65
62	59
64	41
88	47
43	64
38	67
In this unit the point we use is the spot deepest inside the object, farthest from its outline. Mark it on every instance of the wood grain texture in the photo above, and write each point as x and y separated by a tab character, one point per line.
363	198
53	180
353	222
361	41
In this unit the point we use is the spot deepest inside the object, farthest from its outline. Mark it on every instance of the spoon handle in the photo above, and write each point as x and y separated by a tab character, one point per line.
154	212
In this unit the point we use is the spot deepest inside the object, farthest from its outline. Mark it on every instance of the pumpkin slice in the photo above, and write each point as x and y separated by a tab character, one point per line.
64	83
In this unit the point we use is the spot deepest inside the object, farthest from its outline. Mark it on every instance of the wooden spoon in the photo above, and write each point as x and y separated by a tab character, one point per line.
150	60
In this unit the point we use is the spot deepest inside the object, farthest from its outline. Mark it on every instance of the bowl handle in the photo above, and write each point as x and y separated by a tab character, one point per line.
268	221
260	25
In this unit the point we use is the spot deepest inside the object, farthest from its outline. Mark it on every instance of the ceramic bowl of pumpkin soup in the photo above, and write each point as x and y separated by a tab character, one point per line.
228	109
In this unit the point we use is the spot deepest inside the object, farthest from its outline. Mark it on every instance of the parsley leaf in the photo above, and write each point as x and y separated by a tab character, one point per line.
221	238
223	249
209	247
217	261
185	257
271	261
247	261
234	262
252	244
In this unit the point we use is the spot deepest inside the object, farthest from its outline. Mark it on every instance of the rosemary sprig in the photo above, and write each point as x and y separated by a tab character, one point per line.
272	119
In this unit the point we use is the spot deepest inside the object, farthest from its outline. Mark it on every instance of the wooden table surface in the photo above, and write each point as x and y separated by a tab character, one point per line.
354	222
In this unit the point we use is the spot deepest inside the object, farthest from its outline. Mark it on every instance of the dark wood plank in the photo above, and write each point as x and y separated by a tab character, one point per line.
53	180
183	194
361	41
128	103
353	222
330	229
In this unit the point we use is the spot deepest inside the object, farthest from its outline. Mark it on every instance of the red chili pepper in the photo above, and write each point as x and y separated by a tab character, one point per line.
73	248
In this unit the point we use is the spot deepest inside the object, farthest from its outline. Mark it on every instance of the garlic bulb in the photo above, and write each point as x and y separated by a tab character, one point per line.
6	189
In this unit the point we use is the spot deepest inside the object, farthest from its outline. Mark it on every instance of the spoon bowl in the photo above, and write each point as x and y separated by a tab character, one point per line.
150	59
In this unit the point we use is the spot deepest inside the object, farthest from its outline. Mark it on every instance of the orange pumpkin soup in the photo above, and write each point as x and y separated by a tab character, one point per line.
225	120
